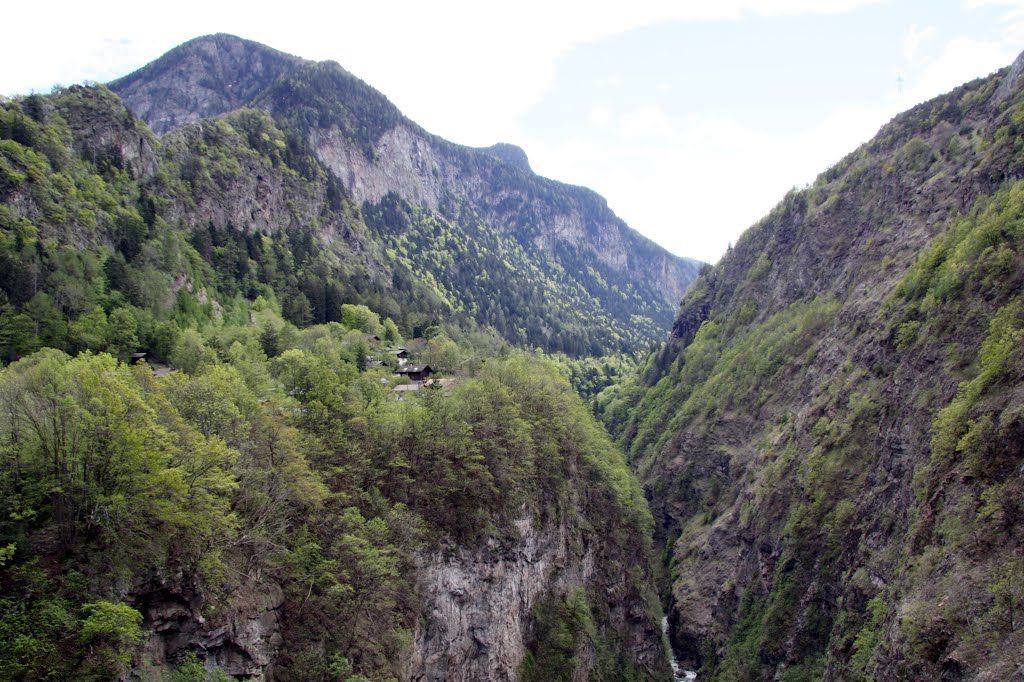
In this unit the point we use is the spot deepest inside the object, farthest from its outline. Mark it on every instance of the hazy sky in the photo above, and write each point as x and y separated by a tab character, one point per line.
691	118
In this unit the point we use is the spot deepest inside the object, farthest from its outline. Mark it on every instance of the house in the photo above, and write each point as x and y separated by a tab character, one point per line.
414	372
372	339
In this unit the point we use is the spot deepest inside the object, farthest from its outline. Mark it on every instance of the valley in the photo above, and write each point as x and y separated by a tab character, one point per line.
598	461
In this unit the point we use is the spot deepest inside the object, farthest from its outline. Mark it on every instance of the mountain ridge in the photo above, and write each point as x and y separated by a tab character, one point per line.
374	149
820	435
243	484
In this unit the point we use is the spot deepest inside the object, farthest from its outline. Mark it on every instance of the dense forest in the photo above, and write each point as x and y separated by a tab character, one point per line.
164	236
205	464
298	473
212	469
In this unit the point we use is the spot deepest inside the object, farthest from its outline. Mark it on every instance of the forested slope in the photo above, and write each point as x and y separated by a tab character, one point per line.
592	285
831	439
271	510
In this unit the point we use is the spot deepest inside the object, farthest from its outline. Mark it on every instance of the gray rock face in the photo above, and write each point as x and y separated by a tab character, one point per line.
374	150
478	606
427	171
242	639
206	77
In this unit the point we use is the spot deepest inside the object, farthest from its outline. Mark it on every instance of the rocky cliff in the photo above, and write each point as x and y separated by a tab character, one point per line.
375	151
830	437
216	75
481	606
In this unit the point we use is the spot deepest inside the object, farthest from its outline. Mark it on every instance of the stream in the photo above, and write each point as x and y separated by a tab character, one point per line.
678	673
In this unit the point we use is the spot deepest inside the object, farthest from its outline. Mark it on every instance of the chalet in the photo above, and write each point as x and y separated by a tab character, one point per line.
414	372
400	353
371	339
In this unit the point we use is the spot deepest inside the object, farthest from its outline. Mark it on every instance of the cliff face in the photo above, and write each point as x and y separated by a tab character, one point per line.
828	437
242	639
478	612
213	76
480	605
375	151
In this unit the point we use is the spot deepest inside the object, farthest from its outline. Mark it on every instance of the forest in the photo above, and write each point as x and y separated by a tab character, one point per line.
200	427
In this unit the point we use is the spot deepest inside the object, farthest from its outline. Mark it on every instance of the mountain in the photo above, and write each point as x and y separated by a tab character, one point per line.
463	218
209	469
831	438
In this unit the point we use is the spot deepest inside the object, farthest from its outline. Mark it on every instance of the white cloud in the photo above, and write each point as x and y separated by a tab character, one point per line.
648	121
915	36
961	60
600	116
463	69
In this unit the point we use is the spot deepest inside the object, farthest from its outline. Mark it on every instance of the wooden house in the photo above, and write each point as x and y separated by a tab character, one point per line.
415	372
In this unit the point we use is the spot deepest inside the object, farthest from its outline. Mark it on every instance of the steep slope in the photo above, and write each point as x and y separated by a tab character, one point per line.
270	510
831	439
620	287
216	75
96	211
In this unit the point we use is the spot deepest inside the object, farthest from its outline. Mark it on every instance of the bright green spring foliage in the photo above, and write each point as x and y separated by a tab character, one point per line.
300	466
112	244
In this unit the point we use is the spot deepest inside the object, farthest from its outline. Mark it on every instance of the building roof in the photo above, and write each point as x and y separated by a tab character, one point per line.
413	369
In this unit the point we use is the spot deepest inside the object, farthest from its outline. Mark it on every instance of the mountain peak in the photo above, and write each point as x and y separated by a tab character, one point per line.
375	152
206	76
510	154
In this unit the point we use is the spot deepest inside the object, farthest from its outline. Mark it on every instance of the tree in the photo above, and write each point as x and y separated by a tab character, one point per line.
111	631
122	333
360	317
190	352
270	340
89	331
391	334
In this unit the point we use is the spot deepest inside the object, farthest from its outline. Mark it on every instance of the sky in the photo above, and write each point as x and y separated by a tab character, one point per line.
692	119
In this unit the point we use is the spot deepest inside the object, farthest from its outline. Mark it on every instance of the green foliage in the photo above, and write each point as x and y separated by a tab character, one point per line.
324	479
558	623
191	669
362	318
577	306
723	366
868	639
111	631
273	451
